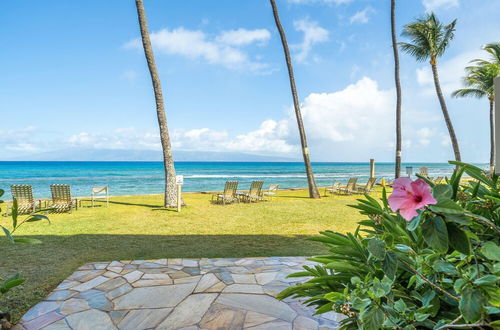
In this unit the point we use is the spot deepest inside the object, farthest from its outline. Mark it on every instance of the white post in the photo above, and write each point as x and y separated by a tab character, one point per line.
497	125
179	197
372	168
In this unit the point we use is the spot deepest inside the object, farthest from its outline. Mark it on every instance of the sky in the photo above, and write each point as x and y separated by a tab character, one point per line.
73	77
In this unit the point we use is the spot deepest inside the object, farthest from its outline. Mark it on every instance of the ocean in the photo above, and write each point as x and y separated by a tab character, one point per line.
137	178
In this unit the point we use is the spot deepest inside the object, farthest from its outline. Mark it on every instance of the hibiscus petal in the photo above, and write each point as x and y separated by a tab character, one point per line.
402	184
408	213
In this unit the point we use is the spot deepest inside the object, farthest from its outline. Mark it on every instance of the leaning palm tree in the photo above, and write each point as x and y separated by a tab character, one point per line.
479	82
313	189
170	198
429	40
397	169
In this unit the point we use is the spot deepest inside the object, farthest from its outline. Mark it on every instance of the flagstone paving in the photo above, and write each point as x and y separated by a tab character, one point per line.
178	294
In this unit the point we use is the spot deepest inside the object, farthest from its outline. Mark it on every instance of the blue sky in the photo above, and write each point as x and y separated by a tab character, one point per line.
73	76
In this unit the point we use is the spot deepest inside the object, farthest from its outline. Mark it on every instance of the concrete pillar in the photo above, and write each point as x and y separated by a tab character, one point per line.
372	168
497	125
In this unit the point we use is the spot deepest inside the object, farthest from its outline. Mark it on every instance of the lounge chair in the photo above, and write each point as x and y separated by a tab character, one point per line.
254	193
100	193
228	196
272	191
424	171
333	189
350	188
61	198
438	179
368	187
23	194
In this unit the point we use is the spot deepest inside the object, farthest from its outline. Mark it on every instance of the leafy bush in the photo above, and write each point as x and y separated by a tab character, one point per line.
439	270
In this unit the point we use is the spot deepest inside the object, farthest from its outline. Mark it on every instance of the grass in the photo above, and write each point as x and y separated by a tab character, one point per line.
137	228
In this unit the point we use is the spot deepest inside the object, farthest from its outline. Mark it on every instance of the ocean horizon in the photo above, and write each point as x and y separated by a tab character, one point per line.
147	177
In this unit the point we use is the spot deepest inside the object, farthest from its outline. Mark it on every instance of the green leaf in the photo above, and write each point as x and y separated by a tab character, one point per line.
37	217
442	192
404	248
360	304
458	239
487	280
471	304
13	283
400	306
25	240
413	224
377	248
427	298
420	317
8	234
334	296
372	318
445	267
390	264
491	251
435	234
2	192
447	206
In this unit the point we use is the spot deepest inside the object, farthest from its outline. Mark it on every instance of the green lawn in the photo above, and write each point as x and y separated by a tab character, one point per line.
137	228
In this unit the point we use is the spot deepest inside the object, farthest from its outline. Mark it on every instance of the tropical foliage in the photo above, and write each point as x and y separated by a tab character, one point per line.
479	82
438	269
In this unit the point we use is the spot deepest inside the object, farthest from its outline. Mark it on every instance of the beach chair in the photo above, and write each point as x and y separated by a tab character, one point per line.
350	188
424	171
228	196
333	189
438	180
100	193
368	187
254	193
23	194
61	199
272	191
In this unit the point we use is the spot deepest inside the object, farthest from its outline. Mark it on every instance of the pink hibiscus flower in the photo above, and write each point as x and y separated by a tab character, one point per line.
409	196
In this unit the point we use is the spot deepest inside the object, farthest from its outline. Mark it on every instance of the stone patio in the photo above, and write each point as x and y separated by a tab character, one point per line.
178	294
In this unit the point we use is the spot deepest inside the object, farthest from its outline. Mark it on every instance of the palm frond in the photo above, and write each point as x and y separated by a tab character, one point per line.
420	53
465	92
494	50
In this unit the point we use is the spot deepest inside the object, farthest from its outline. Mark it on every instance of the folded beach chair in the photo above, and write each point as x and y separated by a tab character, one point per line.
228	196
100	193
350	188
368	187
254	193
424	171
438	179
61	198
23	194
333	189
272	191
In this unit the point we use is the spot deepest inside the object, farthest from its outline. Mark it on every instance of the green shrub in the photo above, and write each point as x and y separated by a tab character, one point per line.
438	269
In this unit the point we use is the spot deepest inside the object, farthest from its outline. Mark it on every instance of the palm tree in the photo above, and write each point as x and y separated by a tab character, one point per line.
397	170
430	38
479	82
170	198
313	189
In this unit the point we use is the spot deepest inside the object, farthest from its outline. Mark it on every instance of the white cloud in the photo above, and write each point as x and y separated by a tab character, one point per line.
195	44
431	5
242	37
424	136
129	75
313	34
362	16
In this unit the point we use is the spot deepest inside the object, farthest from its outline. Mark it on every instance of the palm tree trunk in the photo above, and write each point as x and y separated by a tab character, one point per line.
170	198
492	134
446	115
397	169
313	189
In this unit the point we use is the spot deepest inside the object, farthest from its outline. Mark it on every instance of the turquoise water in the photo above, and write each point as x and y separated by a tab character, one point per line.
134	178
